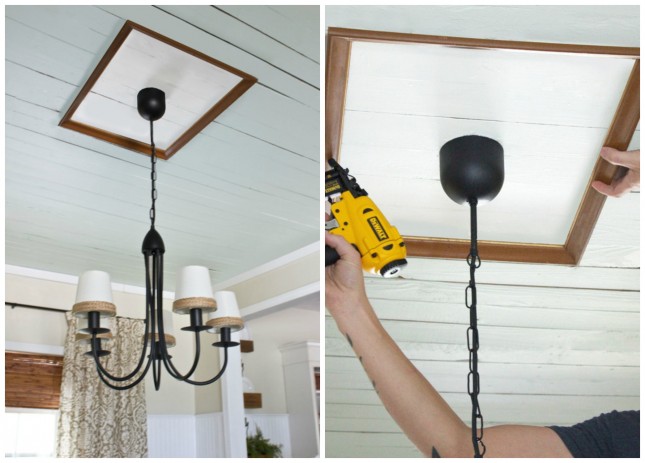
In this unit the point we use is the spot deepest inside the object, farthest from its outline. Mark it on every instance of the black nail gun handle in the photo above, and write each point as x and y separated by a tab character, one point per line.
331	256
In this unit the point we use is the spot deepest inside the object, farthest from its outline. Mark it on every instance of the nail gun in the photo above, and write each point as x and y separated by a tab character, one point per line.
361	223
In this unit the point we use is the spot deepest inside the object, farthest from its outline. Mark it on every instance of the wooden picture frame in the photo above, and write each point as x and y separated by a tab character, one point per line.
619	135
68	119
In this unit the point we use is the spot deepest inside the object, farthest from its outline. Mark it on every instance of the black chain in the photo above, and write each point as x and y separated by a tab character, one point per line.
153	177
472	336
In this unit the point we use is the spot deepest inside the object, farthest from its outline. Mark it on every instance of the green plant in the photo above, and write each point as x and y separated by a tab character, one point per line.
258	446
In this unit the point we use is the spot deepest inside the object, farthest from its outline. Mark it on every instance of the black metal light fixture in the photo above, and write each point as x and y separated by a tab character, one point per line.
472	171
194	296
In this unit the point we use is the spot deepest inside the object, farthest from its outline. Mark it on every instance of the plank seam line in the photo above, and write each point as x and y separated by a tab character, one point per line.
238	47
265	34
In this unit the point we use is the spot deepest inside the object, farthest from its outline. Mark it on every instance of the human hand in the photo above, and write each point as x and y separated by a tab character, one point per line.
628	182
344	283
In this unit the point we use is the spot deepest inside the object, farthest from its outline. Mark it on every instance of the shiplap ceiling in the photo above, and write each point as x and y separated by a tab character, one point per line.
558	344
243	192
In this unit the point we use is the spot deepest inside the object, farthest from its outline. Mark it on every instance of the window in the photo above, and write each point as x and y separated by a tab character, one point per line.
30	432
32	393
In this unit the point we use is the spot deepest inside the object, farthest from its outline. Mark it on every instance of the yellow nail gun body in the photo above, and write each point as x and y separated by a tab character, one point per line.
361	223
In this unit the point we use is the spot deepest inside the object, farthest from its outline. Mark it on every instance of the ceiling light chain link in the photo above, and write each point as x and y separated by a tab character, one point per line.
472	336
153	176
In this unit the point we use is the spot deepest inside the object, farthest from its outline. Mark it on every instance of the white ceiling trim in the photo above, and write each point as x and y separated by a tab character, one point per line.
131	289
33	348
269	266
283	301
73	279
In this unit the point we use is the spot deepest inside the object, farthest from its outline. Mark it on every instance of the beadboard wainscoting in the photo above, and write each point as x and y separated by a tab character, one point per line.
201	436
209	435
172	436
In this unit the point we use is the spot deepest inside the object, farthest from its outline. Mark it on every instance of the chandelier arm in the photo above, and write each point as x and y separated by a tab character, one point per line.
216	377
127	386
163	347
150	320
174	372
136	370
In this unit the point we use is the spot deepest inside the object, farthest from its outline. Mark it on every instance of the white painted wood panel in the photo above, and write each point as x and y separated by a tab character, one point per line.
500	85
142	61
405	101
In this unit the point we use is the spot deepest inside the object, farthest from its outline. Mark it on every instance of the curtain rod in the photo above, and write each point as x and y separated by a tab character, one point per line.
13	305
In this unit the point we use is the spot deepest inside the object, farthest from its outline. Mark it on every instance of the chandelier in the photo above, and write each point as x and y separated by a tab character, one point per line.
193	296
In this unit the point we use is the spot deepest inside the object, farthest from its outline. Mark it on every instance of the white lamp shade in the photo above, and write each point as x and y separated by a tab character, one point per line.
193	290
227	314
94	294
193	281
94	285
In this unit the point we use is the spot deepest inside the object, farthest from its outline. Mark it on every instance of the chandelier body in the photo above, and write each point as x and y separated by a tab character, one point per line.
194	297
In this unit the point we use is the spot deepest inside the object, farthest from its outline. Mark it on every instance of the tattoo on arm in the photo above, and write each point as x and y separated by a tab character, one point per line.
360	358
435	454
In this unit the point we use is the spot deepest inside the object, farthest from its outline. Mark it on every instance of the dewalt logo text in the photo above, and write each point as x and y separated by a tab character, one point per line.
377	228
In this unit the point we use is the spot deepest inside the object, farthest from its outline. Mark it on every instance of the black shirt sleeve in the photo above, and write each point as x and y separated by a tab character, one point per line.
610	435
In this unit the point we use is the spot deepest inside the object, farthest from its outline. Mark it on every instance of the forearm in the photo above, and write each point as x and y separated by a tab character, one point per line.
410	399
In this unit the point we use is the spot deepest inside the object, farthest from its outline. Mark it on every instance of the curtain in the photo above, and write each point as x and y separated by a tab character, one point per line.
96	421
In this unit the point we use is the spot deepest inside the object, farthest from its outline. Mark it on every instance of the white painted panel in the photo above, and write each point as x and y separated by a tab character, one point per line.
192	87
500	85
274	427
171	436
549	111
